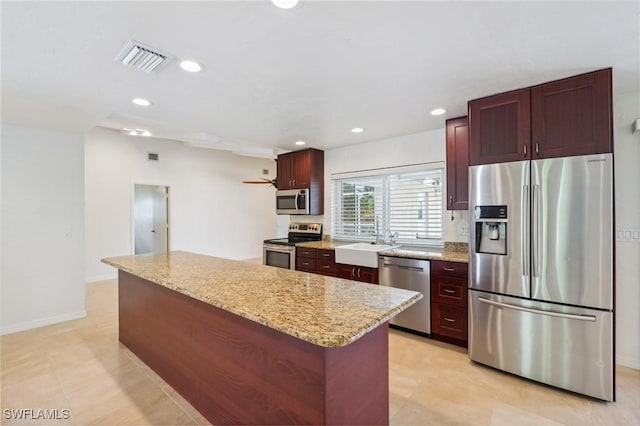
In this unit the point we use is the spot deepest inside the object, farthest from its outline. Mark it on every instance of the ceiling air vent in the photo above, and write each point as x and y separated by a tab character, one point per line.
145	58
152	156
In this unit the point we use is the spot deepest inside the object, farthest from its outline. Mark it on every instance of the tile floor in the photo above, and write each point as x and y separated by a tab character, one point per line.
79	366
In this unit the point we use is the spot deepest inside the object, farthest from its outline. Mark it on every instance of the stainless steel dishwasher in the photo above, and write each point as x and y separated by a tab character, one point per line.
410	274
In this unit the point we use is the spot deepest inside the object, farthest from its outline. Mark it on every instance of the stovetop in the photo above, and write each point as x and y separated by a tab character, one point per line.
299	233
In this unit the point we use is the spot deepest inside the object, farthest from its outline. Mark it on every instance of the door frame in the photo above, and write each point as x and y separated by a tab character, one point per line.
132	234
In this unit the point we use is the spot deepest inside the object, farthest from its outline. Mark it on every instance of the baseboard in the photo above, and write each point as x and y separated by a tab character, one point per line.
23	326
628	362
103	277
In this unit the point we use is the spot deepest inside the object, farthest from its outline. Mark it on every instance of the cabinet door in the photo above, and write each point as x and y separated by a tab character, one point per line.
457	164
500	128
301	170
285	170
346	271
367	275
572	116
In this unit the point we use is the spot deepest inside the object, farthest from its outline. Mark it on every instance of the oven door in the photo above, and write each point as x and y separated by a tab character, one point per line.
281	256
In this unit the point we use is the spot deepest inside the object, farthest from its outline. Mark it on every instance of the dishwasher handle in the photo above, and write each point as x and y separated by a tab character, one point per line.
406	268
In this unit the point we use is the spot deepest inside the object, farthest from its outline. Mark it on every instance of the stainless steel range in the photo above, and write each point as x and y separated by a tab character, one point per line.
281	252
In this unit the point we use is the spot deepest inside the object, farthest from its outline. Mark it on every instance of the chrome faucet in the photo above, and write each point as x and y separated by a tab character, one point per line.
377	231
392	237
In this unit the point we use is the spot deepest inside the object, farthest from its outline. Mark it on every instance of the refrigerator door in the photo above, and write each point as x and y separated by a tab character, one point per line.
504	184
563	346
572	230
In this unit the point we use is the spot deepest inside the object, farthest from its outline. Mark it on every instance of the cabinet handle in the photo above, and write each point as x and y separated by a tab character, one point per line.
449	269
449	319
326	254
358	272
537	149
294	181
451	200
447	290
525	150
326	266
353	272
290	183
305	263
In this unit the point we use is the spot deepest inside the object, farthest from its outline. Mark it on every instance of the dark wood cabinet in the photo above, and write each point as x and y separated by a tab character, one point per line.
567	117
358	273
449	302
572	116
318	261
457	163
500	128
300	169
304	169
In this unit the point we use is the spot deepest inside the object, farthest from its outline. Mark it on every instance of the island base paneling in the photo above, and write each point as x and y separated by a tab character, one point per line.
236	371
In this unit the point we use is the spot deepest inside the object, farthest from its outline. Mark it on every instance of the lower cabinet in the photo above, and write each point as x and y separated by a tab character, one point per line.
449	304
318	261
358	273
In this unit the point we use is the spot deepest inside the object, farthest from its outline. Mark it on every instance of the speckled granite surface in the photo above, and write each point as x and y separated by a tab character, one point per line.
452	252
325	311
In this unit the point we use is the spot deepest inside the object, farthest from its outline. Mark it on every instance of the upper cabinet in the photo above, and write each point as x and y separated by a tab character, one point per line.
300	169
500	128
562	118
572	116
304	170
457	163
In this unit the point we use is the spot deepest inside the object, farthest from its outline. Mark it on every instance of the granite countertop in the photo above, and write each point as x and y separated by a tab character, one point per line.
452	252
325	311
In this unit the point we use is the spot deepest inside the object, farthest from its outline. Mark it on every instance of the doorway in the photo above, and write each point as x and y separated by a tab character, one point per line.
150	219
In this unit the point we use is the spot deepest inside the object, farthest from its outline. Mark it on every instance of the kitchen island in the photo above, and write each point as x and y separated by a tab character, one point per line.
253	344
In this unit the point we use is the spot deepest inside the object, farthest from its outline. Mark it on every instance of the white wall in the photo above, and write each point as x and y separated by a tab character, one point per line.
42	228
423	147
210	210
626	109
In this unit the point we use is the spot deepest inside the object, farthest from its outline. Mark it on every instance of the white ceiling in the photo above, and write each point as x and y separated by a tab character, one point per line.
276	76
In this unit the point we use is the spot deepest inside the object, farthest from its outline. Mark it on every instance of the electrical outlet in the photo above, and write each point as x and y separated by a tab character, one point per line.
463	230
628	235
68	231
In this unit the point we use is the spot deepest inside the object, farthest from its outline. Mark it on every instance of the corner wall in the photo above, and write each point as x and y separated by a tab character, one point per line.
210	210
626	146
42	228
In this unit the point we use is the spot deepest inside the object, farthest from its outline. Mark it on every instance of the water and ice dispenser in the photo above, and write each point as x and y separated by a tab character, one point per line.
491	229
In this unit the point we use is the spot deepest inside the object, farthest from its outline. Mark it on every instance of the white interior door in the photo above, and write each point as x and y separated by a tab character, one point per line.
150	219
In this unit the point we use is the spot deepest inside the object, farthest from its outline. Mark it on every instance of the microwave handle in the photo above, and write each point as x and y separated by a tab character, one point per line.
296	200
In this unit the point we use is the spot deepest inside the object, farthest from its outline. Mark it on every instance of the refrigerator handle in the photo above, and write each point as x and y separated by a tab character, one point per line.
534	232
525	229
539	311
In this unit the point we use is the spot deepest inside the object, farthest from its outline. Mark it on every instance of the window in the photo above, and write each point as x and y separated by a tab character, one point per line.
406	200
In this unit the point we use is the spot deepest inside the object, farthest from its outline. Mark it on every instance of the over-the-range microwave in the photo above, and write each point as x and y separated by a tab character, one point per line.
292	201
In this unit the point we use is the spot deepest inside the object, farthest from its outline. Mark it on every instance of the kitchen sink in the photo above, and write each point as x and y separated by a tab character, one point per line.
361	254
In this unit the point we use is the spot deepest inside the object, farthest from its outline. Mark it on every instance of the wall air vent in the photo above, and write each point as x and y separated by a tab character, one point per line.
153	156
145	58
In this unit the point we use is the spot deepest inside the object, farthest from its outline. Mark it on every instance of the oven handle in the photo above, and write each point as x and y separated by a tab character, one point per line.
279	248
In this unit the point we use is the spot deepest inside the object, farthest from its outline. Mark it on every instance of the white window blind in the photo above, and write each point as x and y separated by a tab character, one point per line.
406	200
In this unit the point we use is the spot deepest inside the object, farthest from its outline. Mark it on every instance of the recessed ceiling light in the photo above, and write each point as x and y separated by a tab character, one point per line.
357	130
300	143
438	111
141	101
191	66
285	4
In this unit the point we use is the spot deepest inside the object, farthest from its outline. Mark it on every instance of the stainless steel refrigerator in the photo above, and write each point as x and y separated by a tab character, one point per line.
542	271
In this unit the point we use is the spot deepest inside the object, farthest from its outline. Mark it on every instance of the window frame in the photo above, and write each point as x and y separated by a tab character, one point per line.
383	206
